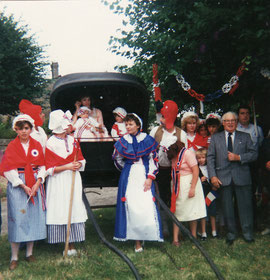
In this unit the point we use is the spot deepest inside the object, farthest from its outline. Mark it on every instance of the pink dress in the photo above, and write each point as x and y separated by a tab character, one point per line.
189	209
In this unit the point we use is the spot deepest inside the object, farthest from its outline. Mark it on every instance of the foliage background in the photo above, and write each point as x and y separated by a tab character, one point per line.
203	40
22	65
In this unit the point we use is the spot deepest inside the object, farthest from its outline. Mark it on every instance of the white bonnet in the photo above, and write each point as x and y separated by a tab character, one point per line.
213	116
188	114
82	109
121	112
58	121
22	117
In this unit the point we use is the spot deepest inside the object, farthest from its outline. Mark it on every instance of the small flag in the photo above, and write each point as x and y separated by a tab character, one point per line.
211	196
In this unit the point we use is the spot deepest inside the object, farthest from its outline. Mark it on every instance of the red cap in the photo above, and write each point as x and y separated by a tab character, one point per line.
34	111
169	112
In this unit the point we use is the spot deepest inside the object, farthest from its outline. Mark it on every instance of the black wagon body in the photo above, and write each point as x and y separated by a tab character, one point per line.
107	91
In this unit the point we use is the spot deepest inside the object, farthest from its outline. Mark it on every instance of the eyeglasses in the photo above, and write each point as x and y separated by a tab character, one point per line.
229	121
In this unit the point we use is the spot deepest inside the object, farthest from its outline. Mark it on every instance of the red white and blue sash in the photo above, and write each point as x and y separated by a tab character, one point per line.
176	179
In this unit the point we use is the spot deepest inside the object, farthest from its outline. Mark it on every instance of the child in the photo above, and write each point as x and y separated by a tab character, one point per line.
201	155
187	200
202	130
63	157
137	214
119	127
213	122
87	128
24	167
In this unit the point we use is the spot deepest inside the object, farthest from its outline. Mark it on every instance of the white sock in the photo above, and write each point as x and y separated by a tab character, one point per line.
204	234
14	251
29	248
214	233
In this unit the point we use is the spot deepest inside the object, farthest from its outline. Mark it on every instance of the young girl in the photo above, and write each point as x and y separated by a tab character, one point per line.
187	201
63	157
201	155
23	166
137	216
190	123
119	127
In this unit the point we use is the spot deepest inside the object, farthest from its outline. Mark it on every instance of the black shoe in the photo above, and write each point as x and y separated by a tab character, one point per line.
229	241
203	238
249	240
216	236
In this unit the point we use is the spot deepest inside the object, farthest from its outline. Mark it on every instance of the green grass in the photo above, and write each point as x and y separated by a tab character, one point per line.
96	261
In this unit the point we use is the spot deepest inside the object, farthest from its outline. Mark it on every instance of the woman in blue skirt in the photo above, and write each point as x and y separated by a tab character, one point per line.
24	167
137	215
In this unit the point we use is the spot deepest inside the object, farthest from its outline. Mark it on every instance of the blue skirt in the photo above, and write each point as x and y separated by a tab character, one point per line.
26	222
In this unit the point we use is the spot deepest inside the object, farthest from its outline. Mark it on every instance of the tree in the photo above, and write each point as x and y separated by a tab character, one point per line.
203	40
22	65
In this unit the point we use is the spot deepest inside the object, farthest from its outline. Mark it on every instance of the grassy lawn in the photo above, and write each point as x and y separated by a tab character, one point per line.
96	261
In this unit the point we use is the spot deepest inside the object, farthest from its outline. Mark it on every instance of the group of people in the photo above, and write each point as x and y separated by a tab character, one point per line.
192	165
88	122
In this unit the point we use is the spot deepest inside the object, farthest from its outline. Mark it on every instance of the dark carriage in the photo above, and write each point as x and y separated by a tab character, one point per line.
107	91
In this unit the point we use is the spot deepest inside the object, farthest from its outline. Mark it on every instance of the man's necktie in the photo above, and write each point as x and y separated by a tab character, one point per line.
230	146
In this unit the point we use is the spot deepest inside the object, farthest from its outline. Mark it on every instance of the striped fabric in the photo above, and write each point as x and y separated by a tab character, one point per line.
57	233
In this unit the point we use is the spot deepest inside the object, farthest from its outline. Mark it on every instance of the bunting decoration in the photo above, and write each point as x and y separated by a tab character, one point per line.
156	89
228	88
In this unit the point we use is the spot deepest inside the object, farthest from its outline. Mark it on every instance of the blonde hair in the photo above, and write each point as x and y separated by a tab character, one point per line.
201	151
187	120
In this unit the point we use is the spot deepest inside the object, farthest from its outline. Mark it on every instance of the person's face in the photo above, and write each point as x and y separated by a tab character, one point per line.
24	133
118	119
191	126
212	129
132	127
85	114
203	131
163	121
230	123
201	159
244	116
86	101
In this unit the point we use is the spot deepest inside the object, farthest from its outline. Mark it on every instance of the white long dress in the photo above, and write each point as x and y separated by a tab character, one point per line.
59	187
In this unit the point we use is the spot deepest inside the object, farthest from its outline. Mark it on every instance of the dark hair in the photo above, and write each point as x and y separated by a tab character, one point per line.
201	126
131	117
20	124
243	106
212	121
86	95
174	149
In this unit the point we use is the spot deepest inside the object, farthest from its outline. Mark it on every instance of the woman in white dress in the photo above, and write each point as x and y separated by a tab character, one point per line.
63	157
137	215
187	201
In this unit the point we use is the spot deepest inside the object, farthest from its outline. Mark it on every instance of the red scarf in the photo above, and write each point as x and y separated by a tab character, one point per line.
15	157
52	159
198	141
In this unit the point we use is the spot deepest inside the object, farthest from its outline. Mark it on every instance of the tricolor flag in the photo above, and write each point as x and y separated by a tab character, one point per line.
211	196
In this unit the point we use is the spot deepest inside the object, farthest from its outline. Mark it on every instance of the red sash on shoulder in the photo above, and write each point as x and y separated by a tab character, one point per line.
198	141
15	157
176	179
53	160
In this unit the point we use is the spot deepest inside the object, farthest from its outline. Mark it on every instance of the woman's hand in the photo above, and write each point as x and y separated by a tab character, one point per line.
191	192
147	184
27	190
36	187
74	166
203	179
77	105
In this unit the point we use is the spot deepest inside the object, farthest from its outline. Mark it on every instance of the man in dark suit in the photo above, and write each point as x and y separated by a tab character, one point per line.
229	154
